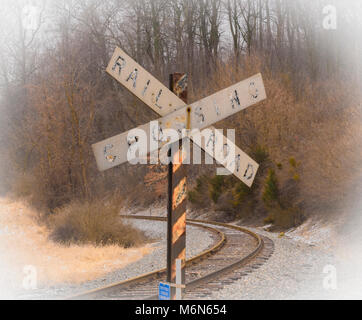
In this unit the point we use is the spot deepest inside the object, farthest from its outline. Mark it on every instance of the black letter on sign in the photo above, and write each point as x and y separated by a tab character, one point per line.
198	113
146	87
225	150
212	139
131	141
234	98
253	90
158	98
120	62
133	76
109	157
217	110
249	172
237	162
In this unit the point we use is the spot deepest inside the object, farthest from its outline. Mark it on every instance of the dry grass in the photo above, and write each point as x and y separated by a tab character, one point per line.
92	222
24	242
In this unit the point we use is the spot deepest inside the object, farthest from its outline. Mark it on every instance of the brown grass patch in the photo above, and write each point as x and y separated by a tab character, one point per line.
24	242
92	222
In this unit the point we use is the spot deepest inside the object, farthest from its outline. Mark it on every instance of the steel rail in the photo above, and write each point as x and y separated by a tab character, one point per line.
201	256
153	274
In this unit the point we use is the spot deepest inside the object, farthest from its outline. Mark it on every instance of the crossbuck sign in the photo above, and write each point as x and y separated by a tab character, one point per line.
184	119
178	122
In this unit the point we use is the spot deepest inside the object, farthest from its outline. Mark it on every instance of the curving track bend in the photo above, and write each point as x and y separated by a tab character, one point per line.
237	252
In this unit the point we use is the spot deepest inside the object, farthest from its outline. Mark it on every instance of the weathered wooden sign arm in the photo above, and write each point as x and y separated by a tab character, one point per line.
205	112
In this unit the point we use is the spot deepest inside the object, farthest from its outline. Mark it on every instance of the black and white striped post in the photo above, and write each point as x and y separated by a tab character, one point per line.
176	208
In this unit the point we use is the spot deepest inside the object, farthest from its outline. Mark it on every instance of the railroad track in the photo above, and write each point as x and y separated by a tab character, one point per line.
237	252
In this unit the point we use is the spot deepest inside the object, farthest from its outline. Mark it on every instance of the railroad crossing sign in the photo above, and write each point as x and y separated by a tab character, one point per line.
118	149
185	120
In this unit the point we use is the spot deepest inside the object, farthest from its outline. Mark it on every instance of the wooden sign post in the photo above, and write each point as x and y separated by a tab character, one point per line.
176	206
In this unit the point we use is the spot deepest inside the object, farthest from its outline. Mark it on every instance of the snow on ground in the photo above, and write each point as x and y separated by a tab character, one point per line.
315	232
313	261
64	271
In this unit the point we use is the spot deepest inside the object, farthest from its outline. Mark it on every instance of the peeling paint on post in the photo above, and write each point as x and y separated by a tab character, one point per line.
176	209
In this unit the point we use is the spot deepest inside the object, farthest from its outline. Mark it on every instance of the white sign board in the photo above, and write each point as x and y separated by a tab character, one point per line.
227	102
226	153
138	142
142	84
134	144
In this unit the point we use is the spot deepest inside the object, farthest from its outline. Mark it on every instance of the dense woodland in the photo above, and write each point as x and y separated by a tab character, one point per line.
56	99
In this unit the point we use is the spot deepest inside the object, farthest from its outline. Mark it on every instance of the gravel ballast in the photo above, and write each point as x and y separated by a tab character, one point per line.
197	240
296	270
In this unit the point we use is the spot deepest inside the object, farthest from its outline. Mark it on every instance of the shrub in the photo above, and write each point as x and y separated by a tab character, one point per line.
271	192
287	218
293	162
215	187
241	193
200	182
284	217
198	195
192	196
92	222
269	219
259	154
